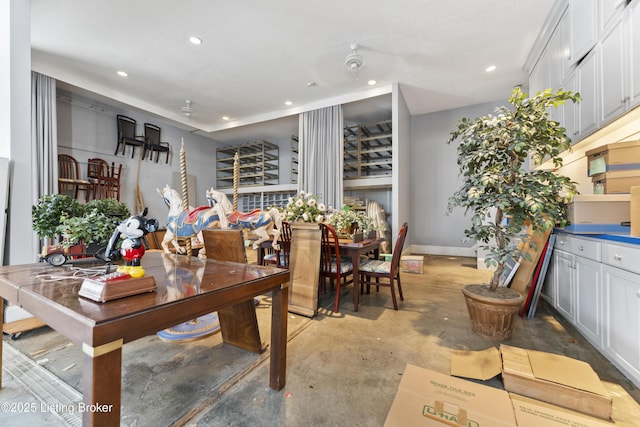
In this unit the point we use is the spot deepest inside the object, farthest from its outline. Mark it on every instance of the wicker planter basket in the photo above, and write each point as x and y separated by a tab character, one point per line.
492	317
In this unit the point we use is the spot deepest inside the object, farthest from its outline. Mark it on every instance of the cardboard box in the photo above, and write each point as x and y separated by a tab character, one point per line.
429	398
614	157
555	379
615	182
599	209
411	263
552	378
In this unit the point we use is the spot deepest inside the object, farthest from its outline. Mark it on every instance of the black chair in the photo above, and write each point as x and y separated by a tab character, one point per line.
127	135
389	271
152	137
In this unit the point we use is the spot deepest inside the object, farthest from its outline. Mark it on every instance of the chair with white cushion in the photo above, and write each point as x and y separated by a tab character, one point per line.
389	271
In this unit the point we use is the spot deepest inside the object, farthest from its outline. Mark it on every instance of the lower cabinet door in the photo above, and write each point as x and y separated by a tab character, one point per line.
588	307
621	334
564	278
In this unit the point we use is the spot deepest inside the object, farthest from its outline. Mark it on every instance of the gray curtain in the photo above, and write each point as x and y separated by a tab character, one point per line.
320	158
44	135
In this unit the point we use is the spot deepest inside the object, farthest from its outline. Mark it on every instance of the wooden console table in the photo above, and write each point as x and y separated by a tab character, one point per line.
186	288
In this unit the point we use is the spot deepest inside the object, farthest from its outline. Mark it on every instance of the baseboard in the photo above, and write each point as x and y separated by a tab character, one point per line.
443	250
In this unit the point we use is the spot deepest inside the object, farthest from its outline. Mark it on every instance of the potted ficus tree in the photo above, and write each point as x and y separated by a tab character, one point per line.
504	193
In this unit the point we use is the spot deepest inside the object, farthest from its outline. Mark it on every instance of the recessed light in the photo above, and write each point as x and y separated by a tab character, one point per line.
225	117
195	40
288	103
122	73
372	82
490	68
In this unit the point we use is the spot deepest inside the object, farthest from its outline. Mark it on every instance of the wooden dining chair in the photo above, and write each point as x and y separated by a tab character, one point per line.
225	245
338	270
127	135
96	168
70	178
281	256
388	271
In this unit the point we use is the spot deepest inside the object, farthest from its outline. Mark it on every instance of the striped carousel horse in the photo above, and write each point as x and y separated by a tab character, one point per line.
263	223
188	223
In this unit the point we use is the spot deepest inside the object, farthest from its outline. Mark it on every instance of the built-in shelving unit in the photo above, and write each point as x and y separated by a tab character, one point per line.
263	200
367	150
258	164
294	159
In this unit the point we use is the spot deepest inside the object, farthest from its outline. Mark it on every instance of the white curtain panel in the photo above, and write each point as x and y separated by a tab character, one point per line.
320	158
44	135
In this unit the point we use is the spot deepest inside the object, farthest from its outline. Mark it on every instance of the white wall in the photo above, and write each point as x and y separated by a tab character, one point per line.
434	179
88	129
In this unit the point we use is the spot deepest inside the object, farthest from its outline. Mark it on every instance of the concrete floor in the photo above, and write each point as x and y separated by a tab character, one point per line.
342	368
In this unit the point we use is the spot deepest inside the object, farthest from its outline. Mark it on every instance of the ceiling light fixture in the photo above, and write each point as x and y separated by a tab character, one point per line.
354	61
225	118
187	110
372	82
490	68
195	40
288	103
122	73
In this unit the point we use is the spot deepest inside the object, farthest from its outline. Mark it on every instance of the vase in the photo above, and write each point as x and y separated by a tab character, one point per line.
492	314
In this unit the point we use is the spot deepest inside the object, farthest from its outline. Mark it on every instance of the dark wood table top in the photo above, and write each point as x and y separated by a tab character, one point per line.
203	285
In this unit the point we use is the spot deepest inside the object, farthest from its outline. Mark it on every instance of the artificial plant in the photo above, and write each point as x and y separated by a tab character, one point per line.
501	187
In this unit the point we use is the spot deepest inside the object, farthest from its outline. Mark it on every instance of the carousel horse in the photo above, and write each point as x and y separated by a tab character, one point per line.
263	223
188	223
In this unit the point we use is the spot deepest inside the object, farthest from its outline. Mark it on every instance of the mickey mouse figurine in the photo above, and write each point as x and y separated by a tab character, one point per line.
132	249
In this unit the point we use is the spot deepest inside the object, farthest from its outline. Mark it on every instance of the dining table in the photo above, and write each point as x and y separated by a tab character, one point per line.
349	249
354	251
185	288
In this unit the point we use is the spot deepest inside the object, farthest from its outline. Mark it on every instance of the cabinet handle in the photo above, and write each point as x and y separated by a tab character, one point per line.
581	248
617	257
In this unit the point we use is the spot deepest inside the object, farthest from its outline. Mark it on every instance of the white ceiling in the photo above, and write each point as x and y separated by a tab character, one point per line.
258	54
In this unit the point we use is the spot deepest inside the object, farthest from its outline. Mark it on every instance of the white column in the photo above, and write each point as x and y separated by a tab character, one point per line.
15	126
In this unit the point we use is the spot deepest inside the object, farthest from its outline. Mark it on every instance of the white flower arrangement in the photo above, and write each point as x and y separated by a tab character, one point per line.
304	207
347	220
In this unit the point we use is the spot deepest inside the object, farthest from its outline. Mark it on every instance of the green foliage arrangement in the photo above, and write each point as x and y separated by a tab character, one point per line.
48	213
497	184
59	215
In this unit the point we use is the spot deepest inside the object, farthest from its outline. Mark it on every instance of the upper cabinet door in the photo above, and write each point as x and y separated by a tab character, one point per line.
633	50
613	87
584	27
609	11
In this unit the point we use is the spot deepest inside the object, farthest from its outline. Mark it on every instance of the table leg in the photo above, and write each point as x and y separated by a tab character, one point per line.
239	326
355	262
278	357
102	384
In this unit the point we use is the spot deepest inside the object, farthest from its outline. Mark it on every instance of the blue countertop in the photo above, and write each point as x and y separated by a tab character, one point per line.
616	234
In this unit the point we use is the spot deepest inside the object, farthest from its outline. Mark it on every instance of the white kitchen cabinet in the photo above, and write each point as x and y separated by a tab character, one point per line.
609	11
613	78
588	299
564	279
584	27
588	80
621	337
596	285
632	51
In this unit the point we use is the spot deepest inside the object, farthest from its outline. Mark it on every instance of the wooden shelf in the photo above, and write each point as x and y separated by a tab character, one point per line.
368	150
259	164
